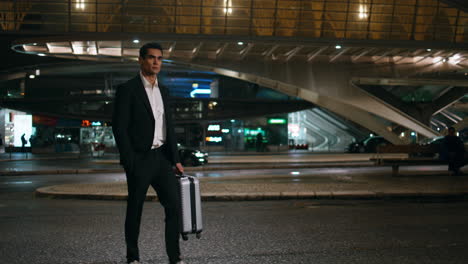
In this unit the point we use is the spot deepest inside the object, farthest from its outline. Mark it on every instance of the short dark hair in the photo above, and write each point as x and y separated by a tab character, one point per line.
451	129
151	45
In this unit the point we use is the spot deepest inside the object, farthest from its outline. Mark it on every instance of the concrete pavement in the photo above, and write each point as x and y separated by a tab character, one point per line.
342	183
267	187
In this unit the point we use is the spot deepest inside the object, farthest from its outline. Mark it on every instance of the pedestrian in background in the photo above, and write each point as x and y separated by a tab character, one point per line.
144	133
453	151
23	143
259	142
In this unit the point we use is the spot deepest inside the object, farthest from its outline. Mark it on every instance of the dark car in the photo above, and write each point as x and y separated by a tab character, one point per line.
436	142
355	147
192	157
368	145
435	145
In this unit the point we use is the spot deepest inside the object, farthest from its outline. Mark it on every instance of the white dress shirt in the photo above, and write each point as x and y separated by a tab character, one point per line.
157	106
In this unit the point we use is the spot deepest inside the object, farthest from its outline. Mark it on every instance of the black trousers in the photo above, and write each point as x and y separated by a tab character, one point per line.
456	160
152	168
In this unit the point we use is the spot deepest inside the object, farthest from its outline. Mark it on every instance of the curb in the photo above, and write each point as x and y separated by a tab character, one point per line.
189	169
61	171
43	158
325	195
284	166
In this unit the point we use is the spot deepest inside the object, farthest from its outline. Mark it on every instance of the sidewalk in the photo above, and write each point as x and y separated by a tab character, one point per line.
18	156
318	184
330	177
255	188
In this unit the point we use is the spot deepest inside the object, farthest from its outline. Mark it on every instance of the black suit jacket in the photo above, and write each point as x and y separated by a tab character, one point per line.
133	123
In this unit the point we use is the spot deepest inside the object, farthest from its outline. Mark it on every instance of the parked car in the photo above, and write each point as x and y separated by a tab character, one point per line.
368	145
354	147
434	143
191	156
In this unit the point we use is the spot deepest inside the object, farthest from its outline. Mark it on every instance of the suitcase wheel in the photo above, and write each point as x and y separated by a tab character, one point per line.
185	237
198	235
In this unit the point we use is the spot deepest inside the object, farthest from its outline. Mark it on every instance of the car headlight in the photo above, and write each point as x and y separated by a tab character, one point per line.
199	155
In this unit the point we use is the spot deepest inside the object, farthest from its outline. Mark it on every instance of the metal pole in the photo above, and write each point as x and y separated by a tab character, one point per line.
369	19
456	26
346	20
175	17
275	21
96	18
415	14
251	17
69	16
200	29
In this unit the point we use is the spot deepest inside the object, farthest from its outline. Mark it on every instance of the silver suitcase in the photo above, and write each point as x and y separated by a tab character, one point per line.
191	214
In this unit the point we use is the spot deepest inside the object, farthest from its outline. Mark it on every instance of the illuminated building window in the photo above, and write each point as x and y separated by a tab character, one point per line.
363	12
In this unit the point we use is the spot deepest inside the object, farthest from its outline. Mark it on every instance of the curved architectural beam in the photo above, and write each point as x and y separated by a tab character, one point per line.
328	86
354	114
321	79
347	111
342	136
450	97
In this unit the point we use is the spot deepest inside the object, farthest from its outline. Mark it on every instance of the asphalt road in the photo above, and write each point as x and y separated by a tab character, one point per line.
38	230
45	163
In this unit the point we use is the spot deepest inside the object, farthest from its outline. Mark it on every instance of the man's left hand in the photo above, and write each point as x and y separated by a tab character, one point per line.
179	169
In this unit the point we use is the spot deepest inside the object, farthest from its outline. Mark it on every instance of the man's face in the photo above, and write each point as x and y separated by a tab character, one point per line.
151	64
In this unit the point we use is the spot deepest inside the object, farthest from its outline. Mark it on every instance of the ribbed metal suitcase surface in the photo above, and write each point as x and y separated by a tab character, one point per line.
191	215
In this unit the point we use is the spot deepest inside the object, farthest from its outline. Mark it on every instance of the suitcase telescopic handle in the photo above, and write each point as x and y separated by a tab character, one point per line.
184	176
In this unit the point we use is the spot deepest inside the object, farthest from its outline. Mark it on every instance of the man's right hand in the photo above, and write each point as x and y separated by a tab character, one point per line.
179	169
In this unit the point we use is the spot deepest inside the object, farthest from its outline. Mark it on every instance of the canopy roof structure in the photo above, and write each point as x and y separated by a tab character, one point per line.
383	64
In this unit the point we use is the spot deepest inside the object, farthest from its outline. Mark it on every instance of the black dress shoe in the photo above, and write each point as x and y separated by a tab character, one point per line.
178	262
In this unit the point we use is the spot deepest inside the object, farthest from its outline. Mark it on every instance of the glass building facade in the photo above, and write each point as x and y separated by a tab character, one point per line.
424	20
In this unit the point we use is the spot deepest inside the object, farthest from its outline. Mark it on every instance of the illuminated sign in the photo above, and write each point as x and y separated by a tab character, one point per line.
214	127
214	139
96	123
44	120
199	91
85	123
22	126
225	130
294	129
276	121
251	132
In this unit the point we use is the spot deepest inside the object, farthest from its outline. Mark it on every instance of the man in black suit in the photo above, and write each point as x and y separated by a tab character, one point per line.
144	133
454	152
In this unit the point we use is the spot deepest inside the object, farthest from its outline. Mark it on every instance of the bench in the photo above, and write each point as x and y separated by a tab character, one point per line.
395	163
413	150
418	155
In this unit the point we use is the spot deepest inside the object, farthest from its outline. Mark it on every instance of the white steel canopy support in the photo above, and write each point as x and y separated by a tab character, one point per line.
327	86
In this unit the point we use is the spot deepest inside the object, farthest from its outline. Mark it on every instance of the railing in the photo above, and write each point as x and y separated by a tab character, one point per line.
355	19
